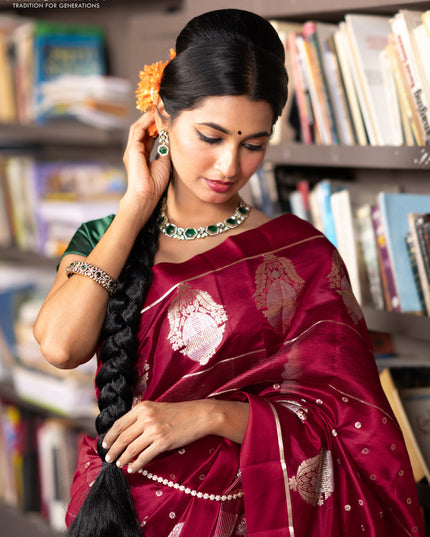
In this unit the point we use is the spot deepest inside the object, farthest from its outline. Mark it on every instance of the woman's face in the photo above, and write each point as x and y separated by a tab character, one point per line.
218	146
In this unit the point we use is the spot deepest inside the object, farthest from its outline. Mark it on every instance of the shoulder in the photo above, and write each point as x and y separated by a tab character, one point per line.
88	235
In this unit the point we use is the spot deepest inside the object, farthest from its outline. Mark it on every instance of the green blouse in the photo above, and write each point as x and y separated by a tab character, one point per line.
88	235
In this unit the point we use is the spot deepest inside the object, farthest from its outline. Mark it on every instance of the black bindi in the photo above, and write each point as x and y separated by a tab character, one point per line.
239	132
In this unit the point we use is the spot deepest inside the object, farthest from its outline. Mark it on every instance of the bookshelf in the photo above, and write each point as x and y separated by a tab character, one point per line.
341	156
151	29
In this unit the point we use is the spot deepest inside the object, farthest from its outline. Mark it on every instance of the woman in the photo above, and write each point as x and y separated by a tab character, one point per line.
237	389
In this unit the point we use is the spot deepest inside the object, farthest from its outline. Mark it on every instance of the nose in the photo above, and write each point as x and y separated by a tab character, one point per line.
228	162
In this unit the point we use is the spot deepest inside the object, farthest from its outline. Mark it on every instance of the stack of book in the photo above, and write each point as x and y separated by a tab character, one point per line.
381	233
363	81
43	203
38	457
56	70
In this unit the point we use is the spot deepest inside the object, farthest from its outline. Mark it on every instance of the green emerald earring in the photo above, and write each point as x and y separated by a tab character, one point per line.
163	140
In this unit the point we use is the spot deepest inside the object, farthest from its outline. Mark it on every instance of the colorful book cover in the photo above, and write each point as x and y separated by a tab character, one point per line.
388	284
395	208
61	49
301	90
310	30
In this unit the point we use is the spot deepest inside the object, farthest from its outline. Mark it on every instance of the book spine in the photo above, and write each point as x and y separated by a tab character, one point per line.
390	292
406	52
340	103
423	233
300	90
341	48
413	259
370	254
406	115
309	32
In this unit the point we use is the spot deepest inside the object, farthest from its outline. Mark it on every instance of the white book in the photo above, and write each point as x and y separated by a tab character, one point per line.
368	35
348	243
402	25
343	54
394	118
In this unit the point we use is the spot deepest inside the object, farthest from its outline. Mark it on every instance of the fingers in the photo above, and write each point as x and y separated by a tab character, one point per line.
136	438
138	134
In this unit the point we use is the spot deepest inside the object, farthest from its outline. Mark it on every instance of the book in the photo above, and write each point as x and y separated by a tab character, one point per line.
402	25
284	130
421	38
8	105
368	36
395	208
59	49
412	252
394	118
419	466
57	449
348	243
337	97
416	221
367	239
423	228
344	56
301	88
391	296
320	98
22	198
409	121
324	190
65	396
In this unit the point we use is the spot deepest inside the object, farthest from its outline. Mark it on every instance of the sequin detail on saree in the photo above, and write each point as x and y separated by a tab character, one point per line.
197	324
277	288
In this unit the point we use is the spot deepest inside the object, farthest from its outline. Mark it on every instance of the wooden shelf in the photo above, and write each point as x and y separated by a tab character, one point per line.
414	326
304	8
59	133
14	255
341	156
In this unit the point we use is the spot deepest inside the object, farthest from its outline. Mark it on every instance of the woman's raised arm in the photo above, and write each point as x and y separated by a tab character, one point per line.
70	320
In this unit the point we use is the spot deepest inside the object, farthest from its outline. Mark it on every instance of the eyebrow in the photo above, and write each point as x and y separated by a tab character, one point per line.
225	131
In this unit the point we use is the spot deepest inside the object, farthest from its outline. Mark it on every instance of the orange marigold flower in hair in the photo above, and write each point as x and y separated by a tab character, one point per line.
149	86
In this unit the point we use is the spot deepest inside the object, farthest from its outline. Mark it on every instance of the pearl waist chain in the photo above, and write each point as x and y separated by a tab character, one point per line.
192	492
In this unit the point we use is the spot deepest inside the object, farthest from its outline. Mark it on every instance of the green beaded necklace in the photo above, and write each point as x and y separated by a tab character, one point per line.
189	233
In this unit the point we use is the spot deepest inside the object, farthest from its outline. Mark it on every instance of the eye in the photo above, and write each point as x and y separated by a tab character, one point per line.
253	147
207	139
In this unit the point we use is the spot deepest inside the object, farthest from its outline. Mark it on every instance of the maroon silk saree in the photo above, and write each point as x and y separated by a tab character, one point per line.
267	317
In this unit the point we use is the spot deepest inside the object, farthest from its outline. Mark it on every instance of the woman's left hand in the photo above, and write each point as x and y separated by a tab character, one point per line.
151	428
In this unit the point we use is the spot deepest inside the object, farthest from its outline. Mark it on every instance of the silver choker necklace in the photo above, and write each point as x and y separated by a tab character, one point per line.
189	233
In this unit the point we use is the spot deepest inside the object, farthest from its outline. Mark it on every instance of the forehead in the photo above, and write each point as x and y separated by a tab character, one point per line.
232	112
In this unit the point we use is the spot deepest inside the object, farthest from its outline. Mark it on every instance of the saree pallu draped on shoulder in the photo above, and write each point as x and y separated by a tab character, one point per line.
268	317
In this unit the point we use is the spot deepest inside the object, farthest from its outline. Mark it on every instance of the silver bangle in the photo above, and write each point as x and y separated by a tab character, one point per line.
96	274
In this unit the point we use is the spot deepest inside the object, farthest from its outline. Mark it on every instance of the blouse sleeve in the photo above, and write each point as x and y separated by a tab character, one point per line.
88	235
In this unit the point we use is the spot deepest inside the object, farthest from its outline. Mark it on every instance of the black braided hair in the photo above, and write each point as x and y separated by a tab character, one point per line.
108	509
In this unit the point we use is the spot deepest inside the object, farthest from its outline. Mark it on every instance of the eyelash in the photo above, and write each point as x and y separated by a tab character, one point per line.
213	141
